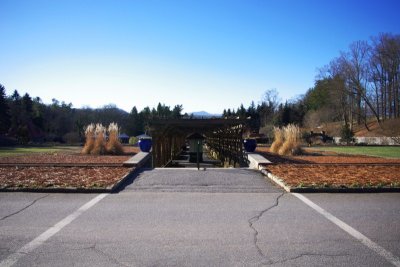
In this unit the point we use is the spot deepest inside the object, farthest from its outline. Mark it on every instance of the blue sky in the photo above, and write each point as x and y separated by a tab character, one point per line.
205	55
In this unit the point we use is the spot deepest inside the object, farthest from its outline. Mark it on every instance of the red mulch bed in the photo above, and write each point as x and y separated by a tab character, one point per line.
338	175
328	169
94	175
60	177
69	158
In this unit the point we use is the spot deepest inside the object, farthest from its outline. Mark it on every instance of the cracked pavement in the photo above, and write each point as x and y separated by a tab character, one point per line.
254	219
207	218
24	208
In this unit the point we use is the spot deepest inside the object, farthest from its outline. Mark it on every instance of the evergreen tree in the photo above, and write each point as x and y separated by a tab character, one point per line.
26	108
135	123
38	109
241	112
5	119
176	112
15	111
254	117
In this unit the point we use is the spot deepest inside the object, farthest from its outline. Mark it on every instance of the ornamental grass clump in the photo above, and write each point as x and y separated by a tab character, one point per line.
278	140
100	142
97	143
89	136
113	145
291	145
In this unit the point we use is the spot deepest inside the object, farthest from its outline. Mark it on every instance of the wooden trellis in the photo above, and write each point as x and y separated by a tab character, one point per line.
223	136
227	144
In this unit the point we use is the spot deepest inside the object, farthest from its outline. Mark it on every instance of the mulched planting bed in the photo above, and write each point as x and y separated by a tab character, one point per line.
60	177
64	169
68	158
331	170
63	159
350	176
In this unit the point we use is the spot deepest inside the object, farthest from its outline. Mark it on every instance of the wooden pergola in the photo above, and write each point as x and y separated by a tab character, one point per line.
223	137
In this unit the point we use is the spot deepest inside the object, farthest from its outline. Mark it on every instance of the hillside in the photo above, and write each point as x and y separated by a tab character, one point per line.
389	128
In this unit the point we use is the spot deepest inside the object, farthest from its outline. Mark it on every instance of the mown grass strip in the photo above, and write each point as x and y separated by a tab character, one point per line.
15	151
375	151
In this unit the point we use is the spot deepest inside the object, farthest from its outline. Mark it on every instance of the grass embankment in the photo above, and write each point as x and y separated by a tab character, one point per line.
16	151
374	151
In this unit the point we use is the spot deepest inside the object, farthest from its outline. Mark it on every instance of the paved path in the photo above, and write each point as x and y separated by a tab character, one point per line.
215	180
196	218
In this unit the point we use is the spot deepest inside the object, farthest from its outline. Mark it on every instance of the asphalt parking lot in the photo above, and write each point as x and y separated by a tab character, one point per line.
230	217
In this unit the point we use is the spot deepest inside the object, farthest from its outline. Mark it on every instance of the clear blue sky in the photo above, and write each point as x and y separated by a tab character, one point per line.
206	55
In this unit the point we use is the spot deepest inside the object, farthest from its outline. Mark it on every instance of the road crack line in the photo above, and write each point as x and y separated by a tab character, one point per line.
254	219
24	208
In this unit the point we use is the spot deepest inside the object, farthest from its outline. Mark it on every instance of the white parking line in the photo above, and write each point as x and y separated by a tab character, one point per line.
13	258
351	231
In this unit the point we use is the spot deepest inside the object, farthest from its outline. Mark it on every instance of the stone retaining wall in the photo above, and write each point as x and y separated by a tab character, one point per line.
384	141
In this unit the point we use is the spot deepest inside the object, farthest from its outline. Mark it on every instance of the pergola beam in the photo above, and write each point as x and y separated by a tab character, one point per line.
225	136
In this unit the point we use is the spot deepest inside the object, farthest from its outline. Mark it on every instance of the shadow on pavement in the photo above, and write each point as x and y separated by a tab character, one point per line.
130	179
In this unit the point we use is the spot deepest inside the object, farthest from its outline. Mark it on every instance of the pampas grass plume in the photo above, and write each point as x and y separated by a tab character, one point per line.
96	143
292	137
100	142
113	145
89	139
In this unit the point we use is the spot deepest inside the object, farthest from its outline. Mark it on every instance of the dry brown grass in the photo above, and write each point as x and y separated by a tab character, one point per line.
100	142
113	145
287	140
292	136
96	143
278	140
390	127
89	143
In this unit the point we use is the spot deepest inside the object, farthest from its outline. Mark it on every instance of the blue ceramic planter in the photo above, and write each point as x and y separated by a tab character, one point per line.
250	145
145	144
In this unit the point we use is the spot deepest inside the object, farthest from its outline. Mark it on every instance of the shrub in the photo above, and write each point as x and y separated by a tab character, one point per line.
268	131
71	138
292	137
278	140
7	141
133	140
113	145
346	134
361	144
308	138
23	135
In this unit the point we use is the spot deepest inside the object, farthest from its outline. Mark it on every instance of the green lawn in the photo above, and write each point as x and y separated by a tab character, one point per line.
377	151
15	151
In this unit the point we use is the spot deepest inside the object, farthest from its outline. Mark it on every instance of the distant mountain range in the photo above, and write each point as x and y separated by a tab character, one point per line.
205	114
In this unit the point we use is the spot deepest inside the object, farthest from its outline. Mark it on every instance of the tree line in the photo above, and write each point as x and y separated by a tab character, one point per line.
270	112
363	81
28	119
360	84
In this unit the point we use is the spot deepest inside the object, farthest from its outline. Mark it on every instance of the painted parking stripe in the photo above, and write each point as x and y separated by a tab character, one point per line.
13	258
351	231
